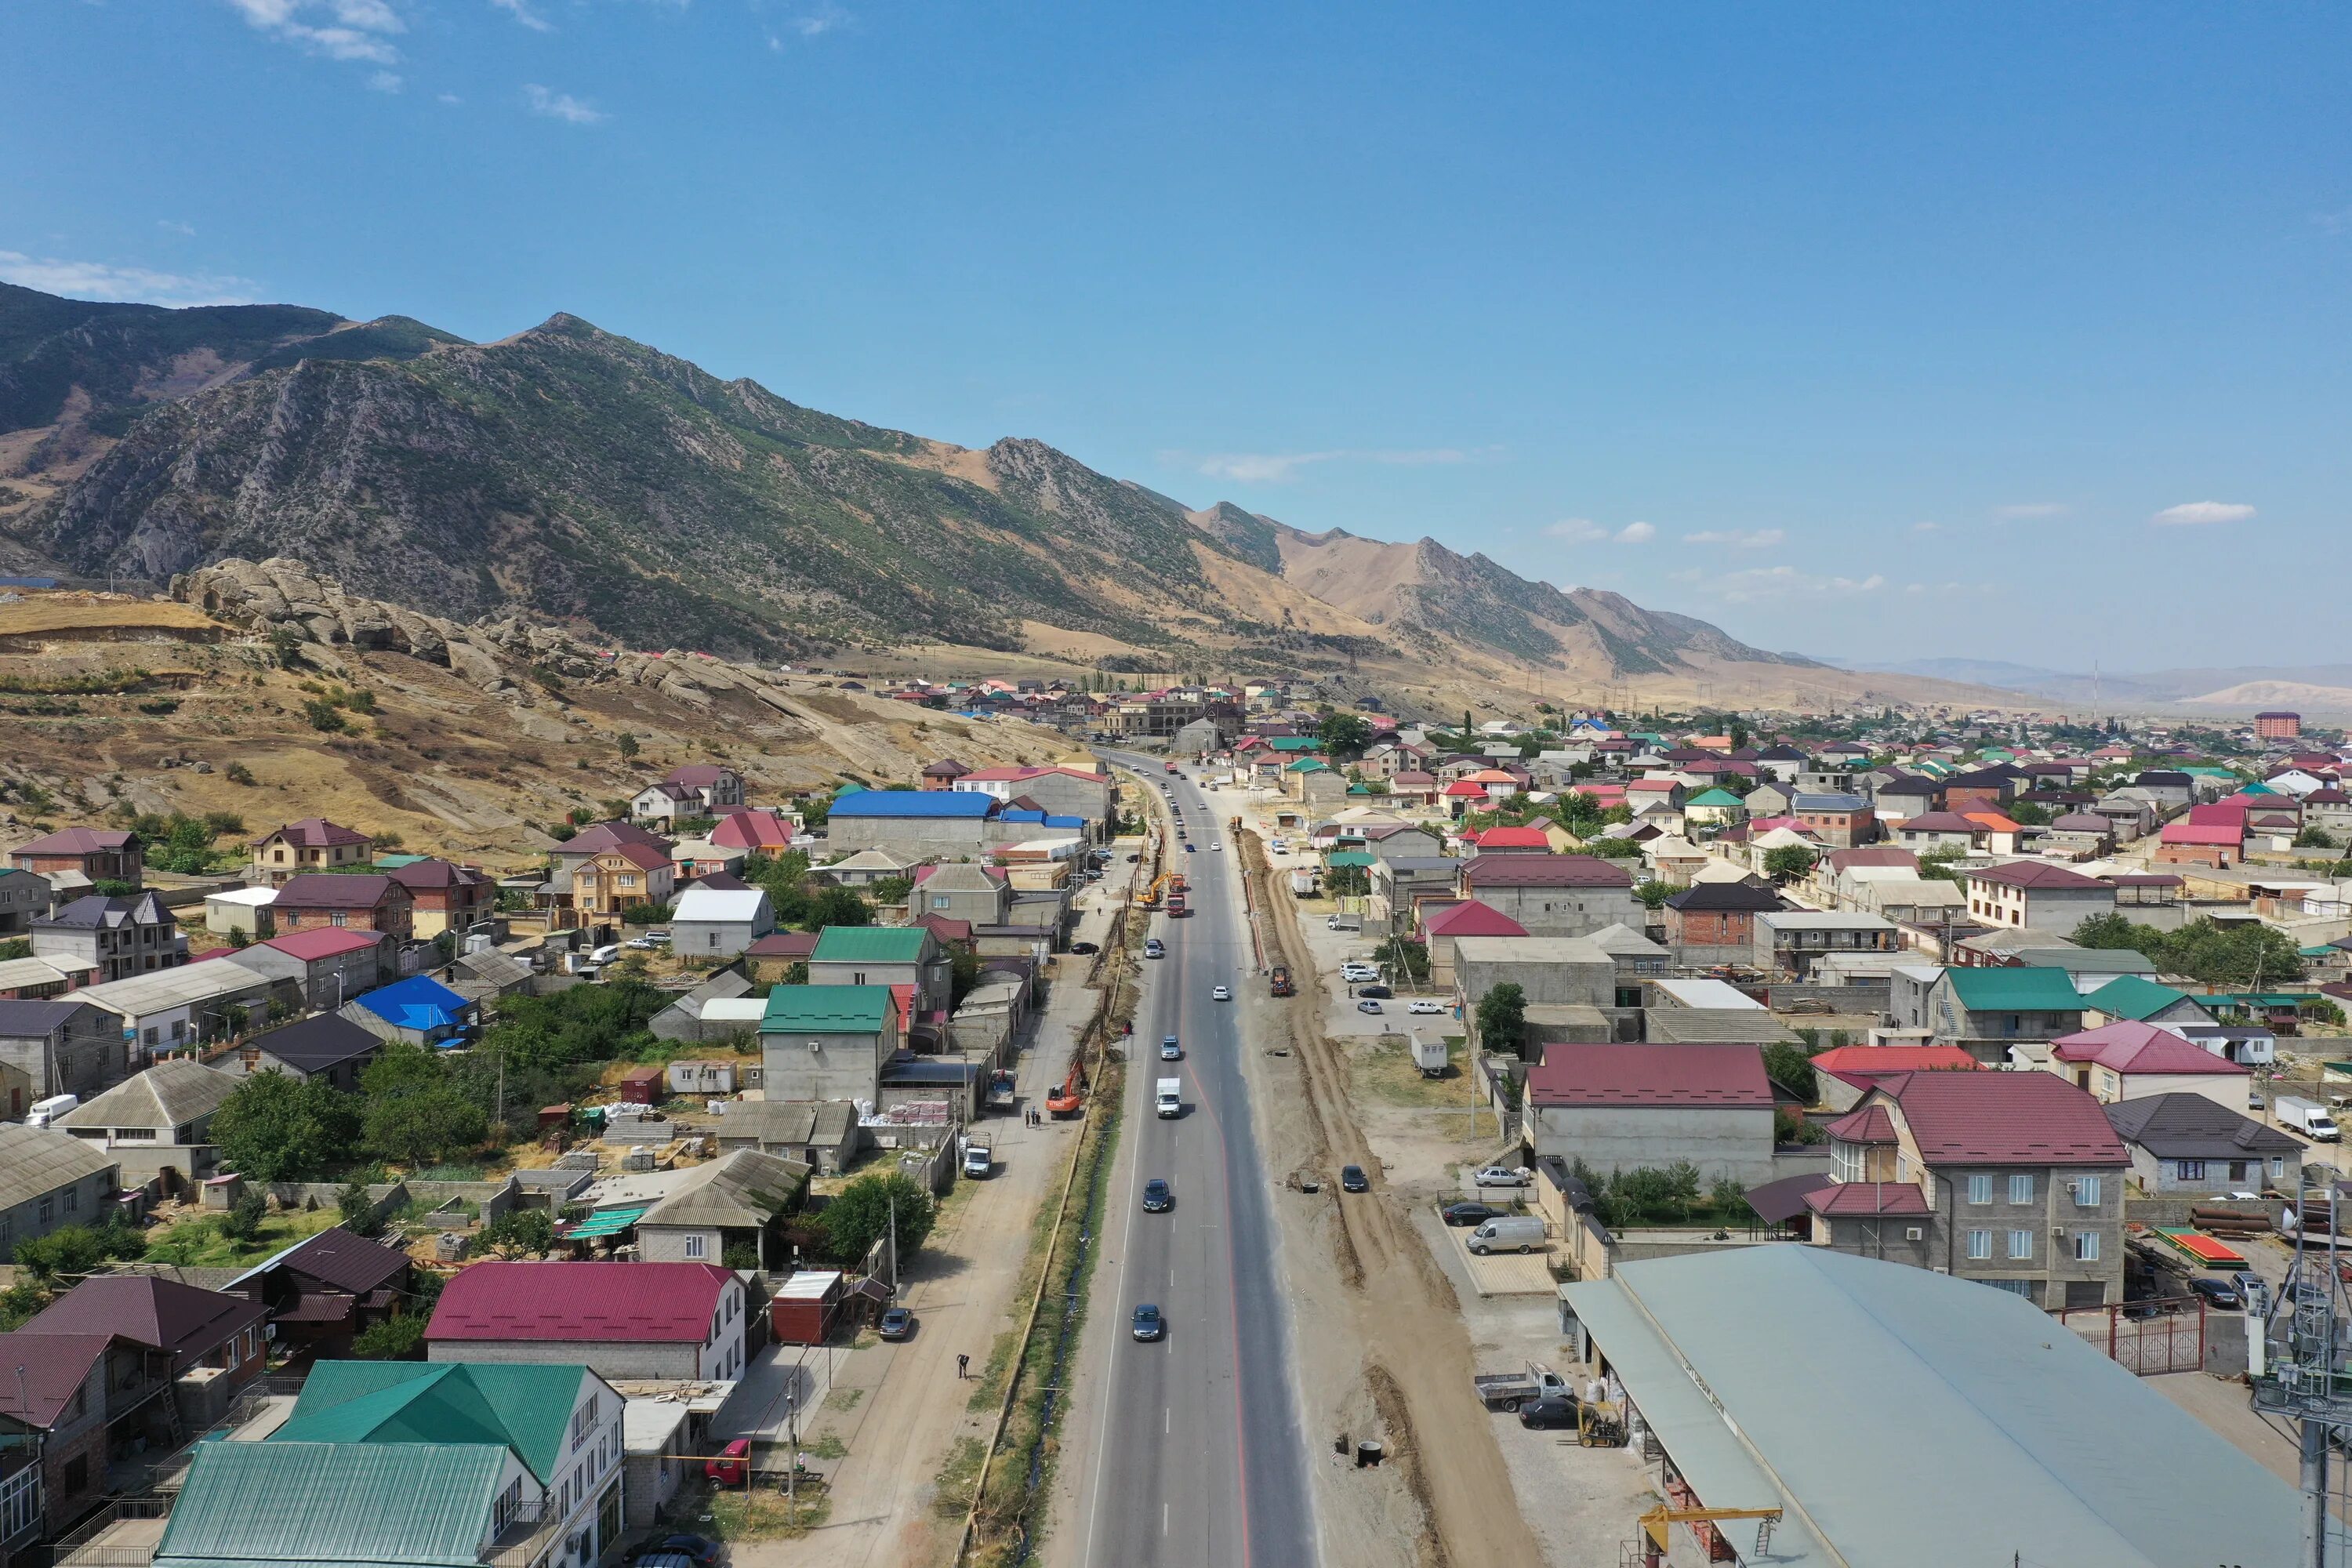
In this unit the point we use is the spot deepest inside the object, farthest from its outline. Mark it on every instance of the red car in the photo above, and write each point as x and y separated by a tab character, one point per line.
728	1469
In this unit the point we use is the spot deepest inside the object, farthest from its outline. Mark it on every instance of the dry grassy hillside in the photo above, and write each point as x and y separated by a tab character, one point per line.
112	700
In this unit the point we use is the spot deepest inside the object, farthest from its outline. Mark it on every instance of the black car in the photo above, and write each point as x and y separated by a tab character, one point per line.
1353	1180
701	1548
897	1323
1557	1410
1156	1198
1085	947
1469	1213
1382	990
1148	1324
2218	1293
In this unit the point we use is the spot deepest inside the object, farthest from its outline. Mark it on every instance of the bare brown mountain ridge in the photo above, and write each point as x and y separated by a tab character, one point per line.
575	476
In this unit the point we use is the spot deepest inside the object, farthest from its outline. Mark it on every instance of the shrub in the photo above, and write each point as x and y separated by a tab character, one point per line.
861	1214
400	1338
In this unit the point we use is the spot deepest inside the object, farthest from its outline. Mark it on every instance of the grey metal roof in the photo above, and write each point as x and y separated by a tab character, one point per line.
207	980
744	1190
35	1020
166	1095
34	1160
1902	1416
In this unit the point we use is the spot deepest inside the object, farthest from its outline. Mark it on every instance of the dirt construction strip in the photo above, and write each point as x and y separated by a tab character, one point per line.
1416	1348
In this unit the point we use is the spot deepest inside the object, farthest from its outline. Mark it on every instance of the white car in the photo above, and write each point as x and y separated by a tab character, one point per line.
1501	1176
1357	972
1213	844
1221	995
1425	1007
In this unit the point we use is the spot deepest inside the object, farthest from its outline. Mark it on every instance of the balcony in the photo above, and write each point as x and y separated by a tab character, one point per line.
123	1534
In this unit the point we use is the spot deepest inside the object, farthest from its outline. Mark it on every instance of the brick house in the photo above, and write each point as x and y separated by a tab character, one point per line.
366	901
608	883
447	896
1714	922
2037	894
2277	726
1554	895
2213	845
313	844
1839	820
2014	1180
323	1291
101	854
115	937
75	1401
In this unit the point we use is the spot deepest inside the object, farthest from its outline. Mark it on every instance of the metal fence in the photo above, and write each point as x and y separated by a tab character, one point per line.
2144	1337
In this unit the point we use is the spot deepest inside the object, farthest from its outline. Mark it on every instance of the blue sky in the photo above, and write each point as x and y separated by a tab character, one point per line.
1870	331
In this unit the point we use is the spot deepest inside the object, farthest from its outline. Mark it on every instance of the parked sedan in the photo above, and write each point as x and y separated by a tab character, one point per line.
1501	1176
1555	1410
2218	1293
1425	1005
1382	990
1466	1212
1147	1323
897	1323
700	1549
1084	948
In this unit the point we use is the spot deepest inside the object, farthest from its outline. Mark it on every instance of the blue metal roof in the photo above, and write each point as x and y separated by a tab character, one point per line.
911	803
418	1003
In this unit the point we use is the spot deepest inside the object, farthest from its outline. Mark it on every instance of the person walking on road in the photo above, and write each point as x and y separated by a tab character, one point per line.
963	1363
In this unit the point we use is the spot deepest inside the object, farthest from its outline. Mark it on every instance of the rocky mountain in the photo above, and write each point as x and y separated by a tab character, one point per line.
579	476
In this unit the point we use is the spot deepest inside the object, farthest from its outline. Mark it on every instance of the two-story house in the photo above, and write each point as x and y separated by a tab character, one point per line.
884	955
368	901
48	1180
25	897
1554	894
2036	894
195	1328
61	1046
70	1403
116	937
1839	819
617	878
2128	1060
961	890
1790	941
313	844
2014	1180
1714	922
827	1042
446	897
1987	1011
99	854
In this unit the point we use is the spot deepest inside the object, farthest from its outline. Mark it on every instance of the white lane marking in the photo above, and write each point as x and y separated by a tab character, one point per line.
1111	1372
1167	1419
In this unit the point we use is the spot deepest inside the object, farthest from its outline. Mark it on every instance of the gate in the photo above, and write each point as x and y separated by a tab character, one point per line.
2144	1337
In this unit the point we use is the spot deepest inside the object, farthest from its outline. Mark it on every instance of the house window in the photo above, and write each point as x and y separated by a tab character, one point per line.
77	1473
2278	1169
1980	1191
20	1502
2086	1193
2021	1245
48	1208
338	919
2086	1247
1980	1244
694	1247
2021	1189
73	1200
2189	1170
2014	1286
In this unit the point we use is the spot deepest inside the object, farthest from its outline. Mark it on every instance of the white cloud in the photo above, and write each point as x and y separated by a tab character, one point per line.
521	12
447	98
2020	511
561	106
1280	468
1760	582
1584	531
384	81
175	226
102	280
824	19
1927	528
338	30
2198	514
1741	538
2334	222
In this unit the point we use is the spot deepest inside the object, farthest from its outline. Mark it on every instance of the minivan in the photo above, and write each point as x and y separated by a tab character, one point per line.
1512	1233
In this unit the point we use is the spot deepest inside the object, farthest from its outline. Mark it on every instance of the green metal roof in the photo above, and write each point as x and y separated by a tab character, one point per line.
825	1010
2135	997
1293	743
1309	765
870	944
526	1407
2015	990
608	1222
2259	998
424	1505
1363	857
1712	797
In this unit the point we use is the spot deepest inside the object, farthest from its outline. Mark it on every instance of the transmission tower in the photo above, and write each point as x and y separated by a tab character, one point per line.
2303	1363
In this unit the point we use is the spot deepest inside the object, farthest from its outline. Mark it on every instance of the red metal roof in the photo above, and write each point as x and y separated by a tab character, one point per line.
610	1303
2227	832
1544	871
1472	918
1870	1123
1847	1062
2128	1046
315	833
1849	1200
1651	1075
55	1366
1510	838
324	942
1465	789
77	841
2002	1119
2034	874
331	890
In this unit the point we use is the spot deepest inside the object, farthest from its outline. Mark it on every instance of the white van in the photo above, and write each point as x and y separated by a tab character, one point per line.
44	1111
606	953
1170	1099
1512	1233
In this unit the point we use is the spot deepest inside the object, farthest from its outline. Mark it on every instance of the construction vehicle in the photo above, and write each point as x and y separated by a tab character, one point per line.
1072	1095
1233	824
1280	976
1167	883
1000	1090
1655	1523
1600	1424
1171	767
1177	909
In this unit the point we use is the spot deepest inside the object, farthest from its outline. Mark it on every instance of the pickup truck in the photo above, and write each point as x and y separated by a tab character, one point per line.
1510	1390
978	1159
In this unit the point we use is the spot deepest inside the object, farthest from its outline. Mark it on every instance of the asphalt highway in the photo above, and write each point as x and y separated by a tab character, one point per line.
1191	1448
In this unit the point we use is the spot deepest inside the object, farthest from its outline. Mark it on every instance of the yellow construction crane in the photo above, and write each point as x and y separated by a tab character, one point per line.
1654	1523
1167	881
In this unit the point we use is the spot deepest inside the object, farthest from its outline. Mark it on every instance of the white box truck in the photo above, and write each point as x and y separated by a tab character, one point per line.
1169	1101
1428	1055
2307	1116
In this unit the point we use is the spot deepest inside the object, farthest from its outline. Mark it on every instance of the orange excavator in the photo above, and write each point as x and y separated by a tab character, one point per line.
1068	1100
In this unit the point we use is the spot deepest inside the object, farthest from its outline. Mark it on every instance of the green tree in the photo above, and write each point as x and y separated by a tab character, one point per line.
1503	1017
243	1220
839	907
2314	838
1653	893
1730	1200
888	891
2028	814
400	1336
274	1128
357	1209
1344	734
1682	1187
627	744
1346	881
860	1213
69	1249
423	1126
1789	1065
520	1233
1789	862
15	947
